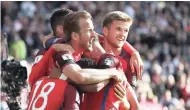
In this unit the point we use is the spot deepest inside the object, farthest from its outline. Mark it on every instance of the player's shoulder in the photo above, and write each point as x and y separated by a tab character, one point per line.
41	52
53	40
108	60
65	55
39	56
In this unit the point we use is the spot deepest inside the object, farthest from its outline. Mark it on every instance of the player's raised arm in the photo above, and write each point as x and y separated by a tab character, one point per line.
89	76
40	66
83	76
135	60
105	61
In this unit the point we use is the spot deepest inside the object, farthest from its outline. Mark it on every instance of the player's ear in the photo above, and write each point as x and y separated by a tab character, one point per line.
105	31
74	36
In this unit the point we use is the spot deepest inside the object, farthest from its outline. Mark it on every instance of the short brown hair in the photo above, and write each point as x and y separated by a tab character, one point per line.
116	15
71	22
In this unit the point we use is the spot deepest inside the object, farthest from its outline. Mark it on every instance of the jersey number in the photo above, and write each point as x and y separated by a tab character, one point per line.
43	94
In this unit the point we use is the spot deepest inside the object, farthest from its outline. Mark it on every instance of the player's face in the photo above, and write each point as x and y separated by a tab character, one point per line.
86	34
60	31
117	33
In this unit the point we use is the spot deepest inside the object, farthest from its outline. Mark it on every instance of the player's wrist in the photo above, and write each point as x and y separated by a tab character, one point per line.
135	53
116	74
126	104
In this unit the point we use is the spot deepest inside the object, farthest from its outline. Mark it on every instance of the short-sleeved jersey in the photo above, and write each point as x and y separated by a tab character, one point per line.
125	58
105	99
47	94
44	62
65	57
40	67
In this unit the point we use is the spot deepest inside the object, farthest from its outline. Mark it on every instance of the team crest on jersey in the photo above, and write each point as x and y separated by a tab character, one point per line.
108	61
38	58
67	57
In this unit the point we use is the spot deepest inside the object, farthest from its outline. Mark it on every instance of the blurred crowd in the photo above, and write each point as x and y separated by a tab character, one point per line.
160	32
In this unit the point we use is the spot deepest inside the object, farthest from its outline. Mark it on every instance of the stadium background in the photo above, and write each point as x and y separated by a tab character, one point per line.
160	32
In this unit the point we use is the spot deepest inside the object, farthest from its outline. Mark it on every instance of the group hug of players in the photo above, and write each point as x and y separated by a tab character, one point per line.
80	69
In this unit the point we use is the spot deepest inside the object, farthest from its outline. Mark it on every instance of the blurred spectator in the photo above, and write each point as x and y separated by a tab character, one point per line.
18	48
28	8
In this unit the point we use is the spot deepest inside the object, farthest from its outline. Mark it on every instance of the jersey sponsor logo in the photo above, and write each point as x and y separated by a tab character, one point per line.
67	57
108	61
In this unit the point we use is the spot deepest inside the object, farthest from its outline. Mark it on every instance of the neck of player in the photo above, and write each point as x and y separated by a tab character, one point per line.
76	47
109	48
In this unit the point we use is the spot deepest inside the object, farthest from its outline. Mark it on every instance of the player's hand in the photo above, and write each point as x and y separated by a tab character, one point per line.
136	63
121	94
117	75
46	38
99	35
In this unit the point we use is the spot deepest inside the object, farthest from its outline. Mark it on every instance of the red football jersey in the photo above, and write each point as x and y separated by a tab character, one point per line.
105	99
43	64
47	94
47	91
125	56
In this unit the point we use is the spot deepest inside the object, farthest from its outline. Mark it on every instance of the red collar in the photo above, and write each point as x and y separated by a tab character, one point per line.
77	56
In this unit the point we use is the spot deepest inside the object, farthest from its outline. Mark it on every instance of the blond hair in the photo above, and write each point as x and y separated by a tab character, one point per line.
116	15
